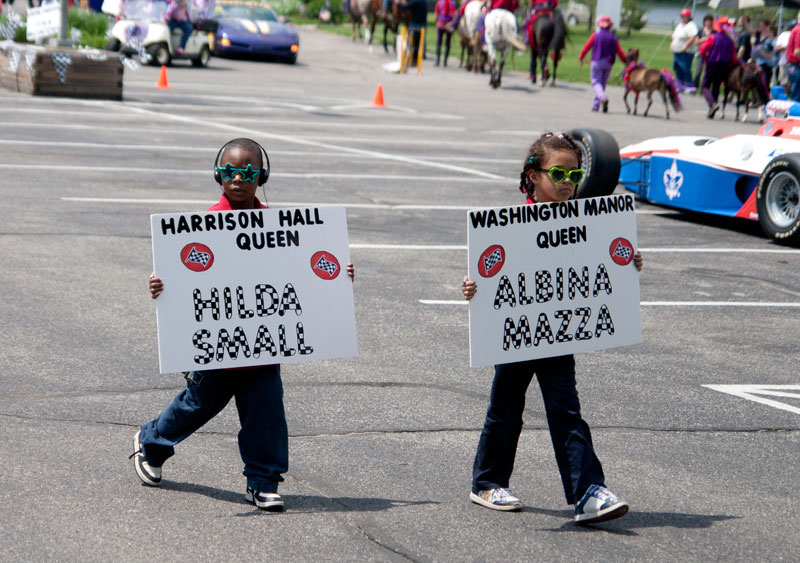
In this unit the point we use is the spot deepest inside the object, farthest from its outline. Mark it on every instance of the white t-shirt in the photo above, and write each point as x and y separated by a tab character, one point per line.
780	45
682	34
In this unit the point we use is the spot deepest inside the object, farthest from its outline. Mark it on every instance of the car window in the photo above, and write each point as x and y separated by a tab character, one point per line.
245	10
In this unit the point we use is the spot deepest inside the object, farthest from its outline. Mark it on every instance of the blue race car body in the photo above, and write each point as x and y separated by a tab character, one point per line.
755	177
252	29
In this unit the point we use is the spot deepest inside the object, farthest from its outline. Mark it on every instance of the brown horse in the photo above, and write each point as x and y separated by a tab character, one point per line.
392	20
364	14
746	83
638	78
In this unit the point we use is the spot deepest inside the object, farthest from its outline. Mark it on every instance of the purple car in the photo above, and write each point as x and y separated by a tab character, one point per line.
254	30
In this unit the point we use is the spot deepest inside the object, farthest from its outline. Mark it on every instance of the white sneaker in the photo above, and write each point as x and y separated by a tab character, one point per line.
598	505
496	499
147	473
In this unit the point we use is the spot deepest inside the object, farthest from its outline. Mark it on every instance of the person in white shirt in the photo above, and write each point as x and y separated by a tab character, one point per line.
780	47
683	48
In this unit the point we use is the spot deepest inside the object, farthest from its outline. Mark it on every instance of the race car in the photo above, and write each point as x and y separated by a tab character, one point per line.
754	177
249	28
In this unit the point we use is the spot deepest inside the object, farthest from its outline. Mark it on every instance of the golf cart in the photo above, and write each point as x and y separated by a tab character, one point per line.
140	27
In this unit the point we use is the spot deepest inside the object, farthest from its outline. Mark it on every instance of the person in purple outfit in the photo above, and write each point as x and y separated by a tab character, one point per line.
445	12
605	48
719	53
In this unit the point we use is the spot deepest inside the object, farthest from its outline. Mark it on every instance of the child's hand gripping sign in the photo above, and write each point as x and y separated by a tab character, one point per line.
553	278
253	287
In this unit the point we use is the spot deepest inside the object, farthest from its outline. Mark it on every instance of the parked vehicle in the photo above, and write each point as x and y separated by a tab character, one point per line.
140	25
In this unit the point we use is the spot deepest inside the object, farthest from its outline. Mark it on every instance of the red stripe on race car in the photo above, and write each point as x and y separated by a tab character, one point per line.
749	210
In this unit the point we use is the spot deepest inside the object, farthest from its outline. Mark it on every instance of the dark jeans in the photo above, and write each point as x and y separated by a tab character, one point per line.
442	32
715	76
572	441
185	26
682	64
793	72
264	437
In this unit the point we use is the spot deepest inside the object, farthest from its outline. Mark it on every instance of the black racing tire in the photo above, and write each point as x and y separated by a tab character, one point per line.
202	59
159	54
778	199
113	44
291	59
600	162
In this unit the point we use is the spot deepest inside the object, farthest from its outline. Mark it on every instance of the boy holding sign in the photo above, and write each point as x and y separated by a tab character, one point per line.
263	439
551	174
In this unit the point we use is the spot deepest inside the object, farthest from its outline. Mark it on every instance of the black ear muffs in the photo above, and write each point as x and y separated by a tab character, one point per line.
263	173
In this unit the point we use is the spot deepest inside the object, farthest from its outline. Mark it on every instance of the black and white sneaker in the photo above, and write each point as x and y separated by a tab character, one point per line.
265	501
598	505
147	473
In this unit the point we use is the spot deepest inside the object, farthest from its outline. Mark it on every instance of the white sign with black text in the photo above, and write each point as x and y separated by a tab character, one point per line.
44	21
253	287
553	279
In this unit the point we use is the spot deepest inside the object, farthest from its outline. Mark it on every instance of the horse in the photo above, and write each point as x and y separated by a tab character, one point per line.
546	35
745	80
364	13
638	78
470	38
501	35
392	20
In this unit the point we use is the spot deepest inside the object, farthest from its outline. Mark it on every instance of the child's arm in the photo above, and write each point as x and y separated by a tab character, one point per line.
637	260
468	288
351	271
156	286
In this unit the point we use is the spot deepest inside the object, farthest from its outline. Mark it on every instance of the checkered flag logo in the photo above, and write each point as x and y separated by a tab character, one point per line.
129	62
9	29
13	62
198	257
61	61
30	57
623	251
491	260
326	266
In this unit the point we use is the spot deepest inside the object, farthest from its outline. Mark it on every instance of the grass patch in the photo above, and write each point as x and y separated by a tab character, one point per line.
653	49
93	28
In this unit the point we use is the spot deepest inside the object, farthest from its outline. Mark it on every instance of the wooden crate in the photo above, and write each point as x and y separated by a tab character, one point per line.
86	77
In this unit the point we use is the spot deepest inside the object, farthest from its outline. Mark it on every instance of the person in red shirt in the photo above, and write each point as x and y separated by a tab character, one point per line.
258	390
445	13
793	62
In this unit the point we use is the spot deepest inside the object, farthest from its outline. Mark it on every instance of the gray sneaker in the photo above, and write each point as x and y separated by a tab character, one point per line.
147	473
496	499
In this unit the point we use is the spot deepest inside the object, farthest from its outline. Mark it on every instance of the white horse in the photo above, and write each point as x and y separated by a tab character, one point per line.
470	38
501	35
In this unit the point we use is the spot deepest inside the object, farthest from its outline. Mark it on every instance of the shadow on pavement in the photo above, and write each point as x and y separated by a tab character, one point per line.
634	519
298	503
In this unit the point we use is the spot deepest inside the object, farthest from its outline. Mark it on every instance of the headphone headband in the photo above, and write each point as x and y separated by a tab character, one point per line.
263	173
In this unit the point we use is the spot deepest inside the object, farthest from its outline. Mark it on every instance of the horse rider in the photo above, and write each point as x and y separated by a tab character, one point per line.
538	8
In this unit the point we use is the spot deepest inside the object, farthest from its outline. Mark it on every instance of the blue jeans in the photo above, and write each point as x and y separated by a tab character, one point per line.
682	64
572	441
793	72
264	437
185	26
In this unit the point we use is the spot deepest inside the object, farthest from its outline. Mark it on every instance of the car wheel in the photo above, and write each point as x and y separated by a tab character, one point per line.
291	59
113	44
159	54
778	199
203	58
599	160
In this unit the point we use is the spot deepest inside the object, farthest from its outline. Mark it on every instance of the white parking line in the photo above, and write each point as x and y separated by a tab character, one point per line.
314	143
752	392
655	303
304	175
401	206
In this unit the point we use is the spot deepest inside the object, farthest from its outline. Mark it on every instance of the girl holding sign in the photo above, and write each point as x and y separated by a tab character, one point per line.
263	440
551	173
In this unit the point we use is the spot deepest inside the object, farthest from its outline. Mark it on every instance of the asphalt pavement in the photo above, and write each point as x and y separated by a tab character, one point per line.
381	445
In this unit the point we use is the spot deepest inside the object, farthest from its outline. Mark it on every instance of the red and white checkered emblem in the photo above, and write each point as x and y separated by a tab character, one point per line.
197	257
621	251
325	265
491	261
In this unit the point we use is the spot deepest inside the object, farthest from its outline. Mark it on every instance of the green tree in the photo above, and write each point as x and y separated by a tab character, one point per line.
632	16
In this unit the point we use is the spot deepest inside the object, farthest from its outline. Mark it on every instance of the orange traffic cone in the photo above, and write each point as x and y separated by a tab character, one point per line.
377	101
162	79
